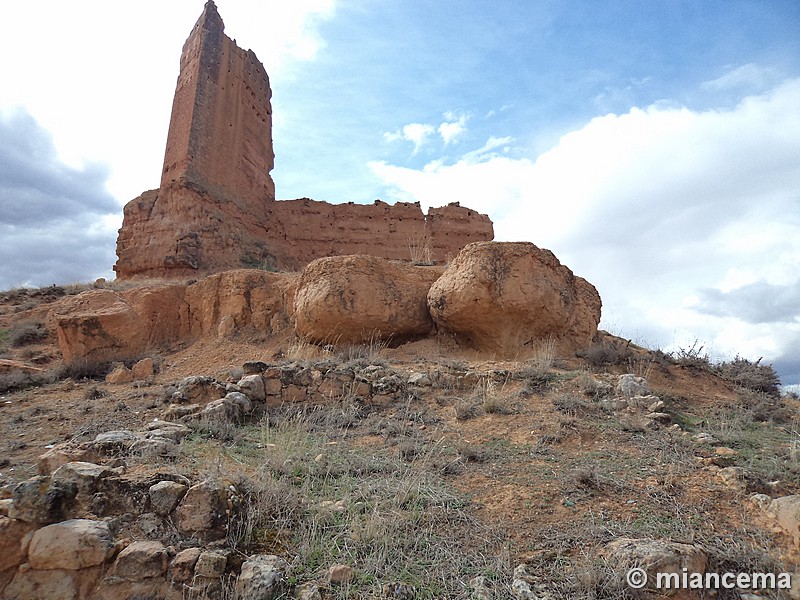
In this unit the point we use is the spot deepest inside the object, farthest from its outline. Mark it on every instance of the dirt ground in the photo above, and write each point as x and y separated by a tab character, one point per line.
535	456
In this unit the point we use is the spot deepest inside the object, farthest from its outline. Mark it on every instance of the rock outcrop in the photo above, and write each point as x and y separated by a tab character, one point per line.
215	208
227	302
501	297
494	297
360	299
108	324
103	323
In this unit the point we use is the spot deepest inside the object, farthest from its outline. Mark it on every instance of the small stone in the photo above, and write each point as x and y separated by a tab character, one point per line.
119	374
114	441
154	448
12	551
144	369
253	387
402	591
642	402
273	387
733	477
705	438
725	451
263	577
221	412
341	574
211	563
294	393
521	584
182	567
165	496
167	430
786	511
84	475
202	511
241	400
723	457
198	389
35	585
142	560
61	454
308	591
480	588
419	379
41	500
630	385
655	556
339	506
762	501
254	367
659	417
175	412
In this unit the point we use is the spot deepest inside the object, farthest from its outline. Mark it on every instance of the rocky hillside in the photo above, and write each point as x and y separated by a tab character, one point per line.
367	429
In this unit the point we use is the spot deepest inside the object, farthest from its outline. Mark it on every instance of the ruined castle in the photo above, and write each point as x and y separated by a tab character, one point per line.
215	208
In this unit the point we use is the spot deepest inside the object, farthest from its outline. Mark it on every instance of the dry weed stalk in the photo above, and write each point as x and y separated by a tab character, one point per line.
419	249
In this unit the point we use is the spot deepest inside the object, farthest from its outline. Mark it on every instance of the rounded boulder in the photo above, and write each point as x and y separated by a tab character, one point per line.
358	299
503	297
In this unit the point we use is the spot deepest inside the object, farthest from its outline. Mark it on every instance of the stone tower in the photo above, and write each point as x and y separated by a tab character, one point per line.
215	208
220	132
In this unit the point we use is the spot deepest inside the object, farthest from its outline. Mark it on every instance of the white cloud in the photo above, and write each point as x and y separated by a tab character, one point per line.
748	77
453	127
416	133
658	207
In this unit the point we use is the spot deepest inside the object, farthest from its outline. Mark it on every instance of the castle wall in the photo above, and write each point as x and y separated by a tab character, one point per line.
401	231
180	232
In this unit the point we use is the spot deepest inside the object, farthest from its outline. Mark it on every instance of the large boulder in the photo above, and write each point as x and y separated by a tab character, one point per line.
225	303
504	296
357	299
103	324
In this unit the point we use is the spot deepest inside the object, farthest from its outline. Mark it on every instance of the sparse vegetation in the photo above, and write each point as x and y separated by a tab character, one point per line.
84	369
301	350
419	249
325	503
750	375
607	352
694	357
27	332
471	469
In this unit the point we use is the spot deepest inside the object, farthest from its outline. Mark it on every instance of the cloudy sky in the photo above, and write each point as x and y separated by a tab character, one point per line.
654	146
